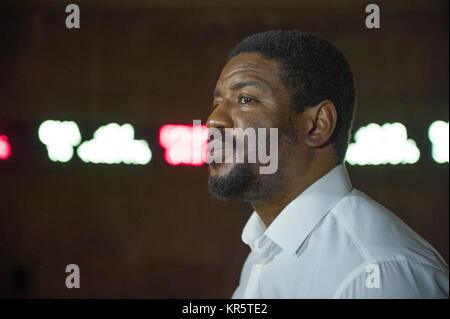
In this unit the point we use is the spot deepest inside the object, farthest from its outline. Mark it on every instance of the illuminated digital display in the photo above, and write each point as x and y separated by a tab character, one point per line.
381	145
184	144
60	138
375	144
438	135
5	147
114	144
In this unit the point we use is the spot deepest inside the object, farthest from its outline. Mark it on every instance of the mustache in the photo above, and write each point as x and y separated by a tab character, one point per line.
211	137
230	141
225	143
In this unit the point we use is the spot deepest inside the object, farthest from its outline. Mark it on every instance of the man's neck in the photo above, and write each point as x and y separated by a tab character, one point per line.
294	185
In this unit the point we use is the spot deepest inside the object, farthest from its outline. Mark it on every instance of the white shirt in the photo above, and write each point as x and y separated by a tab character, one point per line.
333	241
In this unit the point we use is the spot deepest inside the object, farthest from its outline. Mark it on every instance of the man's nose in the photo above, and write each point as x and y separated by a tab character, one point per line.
220	117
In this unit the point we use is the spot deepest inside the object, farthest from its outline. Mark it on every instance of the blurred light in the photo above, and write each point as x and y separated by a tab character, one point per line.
114	144
380	145
184	144
5	147
60	138
438	135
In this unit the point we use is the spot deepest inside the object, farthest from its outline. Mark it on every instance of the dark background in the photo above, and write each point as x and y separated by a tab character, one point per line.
154	231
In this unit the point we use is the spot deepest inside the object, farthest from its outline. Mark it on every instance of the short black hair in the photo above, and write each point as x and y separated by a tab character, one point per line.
313	70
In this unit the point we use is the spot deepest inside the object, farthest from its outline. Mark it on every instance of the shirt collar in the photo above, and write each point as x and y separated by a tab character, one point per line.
253	229
300	216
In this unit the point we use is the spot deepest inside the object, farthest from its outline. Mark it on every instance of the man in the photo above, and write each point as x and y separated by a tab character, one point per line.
312	235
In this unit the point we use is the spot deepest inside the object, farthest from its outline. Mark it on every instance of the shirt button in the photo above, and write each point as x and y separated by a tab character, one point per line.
260	266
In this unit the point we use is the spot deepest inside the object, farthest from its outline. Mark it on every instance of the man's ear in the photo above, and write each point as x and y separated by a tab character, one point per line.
320	123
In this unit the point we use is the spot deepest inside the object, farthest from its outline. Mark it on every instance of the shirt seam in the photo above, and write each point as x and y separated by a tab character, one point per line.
367	255
437	257
354	238
345	283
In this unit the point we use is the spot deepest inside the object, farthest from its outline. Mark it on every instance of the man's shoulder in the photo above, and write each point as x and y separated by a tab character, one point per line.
378	233
358	233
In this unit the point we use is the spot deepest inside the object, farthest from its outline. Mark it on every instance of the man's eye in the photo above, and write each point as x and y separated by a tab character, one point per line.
245	100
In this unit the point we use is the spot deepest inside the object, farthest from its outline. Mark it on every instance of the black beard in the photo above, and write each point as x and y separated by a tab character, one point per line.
241	183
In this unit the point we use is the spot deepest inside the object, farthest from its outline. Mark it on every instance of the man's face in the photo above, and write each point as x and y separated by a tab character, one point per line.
249	94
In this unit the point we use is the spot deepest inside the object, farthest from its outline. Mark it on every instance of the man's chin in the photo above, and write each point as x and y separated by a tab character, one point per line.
232	181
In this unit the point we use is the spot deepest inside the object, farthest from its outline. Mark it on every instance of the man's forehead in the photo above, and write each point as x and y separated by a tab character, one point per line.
249	62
